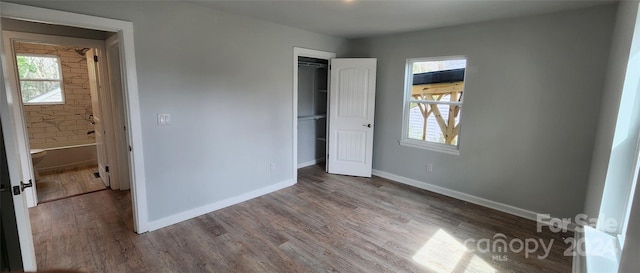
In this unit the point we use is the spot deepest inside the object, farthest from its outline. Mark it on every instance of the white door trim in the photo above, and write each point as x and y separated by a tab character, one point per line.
301	52
132	102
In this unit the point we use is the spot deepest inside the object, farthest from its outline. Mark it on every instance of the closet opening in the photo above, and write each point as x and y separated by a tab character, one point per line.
312	111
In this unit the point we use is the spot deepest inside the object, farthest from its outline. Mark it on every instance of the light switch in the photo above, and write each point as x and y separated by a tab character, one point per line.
164	119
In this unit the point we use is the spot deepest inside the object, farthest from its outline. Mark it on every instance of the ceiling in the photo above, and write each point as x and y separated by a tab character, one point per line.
366	18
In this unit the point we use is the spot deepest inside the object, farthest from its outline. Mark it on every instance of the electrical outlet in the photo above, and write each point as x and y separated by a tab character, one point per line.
429	167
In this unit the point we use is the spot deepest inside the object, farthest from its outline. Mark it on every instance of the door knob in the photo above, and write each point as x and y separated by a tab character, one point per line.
367	125
27	185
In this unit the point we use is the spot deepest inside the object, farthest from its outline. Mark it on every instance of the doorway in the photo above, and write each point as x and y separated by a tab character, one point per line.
58	116
312	111
64	96
344	96
310	97
67	116
13	133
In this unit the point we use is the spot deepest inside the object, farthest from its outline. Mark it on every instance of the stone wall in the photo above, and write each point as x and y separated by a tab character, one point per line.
57	125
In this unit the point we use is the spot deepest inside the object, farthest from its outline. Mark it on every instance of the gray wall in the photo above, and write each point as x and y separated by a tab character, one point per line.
612	163
533	91
227	82
532	95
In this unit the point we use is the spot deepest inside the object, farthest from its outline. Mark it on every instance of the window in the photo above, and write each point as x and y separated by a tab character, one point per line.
433	103
40	79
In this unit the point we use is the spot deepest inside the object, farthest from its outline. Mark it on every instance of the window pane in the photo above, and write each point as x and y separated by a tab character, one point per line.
431	66
37	67
41	91
430	122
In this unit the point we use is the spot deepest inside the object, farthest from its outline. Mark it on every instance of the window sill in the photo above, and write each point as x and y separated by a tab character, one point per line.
441	148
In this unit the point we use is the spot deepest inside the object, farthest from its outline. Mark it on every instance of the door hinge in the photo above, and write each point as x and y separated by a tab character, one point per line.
130	149
329	67
95	58
106	168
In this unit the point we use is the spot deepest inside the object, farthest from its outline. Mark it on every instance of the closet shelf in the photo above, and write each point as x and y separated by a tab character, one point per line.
300	118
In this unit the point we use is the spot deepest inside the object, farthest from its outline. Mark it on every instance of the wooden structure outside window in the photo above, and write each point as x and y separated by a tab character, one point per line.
439	91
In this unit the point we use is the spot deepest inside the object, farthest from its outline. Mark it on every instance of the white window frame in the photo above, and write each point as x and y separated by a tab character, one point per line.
43	80
408	84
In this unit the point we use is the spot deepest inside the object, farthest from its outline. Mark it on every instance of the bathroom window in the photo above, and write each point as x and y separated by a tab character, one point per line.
40	79
434	90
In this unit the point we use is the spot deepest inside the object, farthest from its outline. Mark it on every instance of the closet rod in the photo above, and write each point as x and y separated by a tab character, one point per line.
310	64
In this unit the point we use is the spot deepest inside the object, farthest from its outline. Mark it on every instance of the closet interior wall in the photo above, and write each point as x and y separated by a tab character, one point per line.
312	111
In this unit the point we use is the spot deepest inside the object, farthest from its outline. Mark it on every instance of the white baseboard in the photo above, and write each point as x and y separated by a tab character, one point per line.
579	263
527	214
312	162
177	218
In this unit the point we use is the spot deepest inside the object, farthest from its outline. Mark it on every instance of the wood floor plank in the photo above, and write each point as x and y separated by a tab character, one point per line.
54	185
325	223
266	241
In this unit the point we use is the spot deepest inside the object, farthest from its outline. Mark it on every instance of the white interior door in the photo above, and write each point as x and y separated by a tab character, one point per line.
20	126
107	118
351	110
120	146
96	90
8	102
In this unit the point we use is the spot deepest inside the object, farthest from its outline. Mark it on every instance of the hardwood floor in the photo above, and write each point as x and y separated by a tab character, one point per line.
323	223
62	184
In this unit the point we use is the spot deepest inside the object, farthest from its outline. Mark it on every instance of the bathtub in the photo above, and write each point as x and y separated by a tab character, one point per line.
67	157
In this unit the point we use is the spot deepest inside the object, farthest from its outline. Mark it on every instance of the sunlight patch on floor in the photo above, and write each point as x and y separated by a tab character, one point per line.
477	264
442	253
